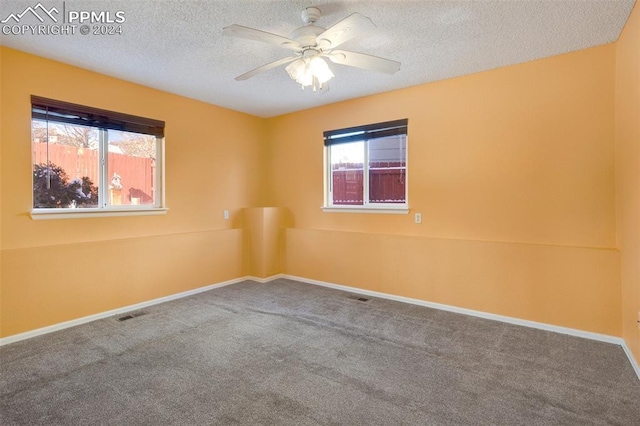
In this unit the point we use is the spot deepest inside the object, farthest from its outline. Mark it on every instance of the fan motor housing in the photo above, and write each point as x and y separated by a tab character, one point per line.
306	35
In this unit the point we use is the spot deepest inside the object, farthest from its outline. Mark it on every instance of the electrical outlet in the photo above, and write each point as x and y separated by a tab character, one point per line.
418	217
226	214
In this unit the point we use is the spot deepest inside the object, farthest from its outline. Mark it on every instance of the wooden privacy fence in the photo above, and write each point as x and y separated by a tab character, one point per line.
136	173
387	182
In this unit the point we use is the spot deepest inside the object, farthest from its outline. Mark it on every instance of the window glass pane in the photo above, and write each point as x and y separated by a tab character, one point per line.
347	171
65	165
387	169
132	168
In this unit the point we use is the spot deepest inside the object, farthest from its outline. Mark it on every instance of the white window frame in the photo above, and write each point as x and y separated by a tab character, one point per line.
104	209
366	207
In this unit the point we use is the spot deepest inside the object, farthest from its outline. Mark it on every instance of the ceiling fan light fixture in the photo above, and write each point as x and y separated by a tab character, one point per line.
296	68
310	72
320	69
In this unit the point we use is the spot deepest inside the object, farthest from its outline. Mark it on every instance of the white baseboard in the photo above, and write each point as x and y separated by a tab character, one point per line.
443	307
265	280
632	359
61	326
510	320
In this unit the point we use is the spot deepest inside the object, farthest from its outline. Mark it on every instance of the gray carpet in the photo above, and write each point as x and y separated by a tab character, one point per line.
295	354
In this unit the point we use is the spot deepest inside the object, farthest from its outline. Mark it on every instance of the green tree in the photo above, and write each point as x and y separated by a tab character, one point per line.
52	189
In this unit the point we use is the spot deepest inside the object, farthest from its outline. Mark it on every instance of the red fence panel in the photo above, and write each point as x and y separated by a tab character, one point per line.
347	187
387	183
76	162
386	186
136	177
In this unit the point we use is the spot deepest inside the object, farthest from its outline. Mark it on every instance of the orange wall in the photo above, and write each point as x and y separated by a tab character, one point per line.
58	270
627	131
520	158
1	102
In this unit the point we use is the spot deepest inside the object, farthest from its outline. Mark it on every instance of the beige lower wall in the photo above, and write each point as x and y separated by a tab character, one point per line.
572	287
117	273
566	286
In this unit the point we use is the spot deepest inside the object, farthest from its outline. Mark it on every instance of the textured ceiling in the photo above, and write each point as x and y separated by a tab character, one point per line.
177	45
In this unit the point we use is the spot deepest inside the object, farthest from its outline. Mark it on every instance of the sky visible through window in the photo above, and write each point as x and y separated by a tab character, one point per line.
347	153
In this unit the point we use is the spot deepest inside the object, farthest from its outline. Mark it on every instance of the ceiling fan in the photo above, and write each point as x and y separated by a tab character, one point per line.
311	43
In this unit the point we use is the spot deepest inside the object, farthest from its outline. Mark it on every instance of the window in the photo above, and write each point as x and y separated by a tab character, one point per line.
88	161
367	168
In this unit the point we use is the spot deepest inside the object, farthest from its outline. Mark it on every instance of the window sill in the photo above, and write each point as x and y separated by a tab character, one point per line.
356	209
84	213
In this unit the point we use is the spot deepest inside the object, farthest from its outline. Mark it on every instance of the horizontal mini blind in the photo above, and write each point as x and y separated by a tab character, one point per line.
65	112
366	132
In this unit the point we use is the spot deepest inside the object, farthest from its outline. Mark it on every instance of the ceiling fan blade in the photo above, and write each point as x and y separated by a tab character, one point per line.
263	36
350	27
367	62
266	67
